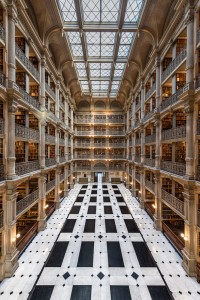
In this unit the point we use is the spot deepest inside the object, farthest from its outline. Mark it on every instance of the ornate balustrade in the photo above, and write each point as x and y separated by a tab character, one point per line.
50	138
198	218
151	91
62	159
50	185
2	79
138	141
137	106
150	138
174	64
174	133
149	162
137	158
50	91
148	116
198	36
173	201
150	185
27	167
53	117
62	177
2	173
1	219
171	100
137	176
105	120
29	99
2	33
22	204
1	126
26	62
50	161
173	167
61	142
26	133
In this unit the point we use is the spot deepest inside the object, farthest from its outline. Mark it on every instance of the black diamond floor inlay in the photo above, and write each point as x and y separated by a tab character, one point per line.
135	275
100	275
66	275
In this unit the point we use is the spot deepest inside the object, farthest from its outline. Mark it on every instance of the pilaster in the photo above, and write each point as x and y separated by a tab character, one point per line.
42	202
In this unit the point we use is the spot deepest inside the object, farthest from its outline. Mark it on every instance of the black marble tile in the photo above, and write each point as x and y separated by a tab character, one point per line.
57	254
84	186
104	186
114	186
108	210
105	192
120	292
114	255
94	192
94	186
86	255
110	226
89	225
131	226
106	199
159	292
143	255
81	292
42	292
69	225
79	199
120	199
124	210
93	199
75	210
91	210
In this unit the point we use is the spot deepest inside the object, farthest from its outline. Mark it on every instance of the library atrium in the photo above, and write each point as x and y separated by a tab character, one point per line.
99	149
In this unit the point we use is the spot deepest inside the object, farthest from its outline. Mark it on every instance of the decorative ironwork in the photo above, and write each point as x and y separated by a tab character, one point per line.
62	159
2	79
50	138
2	33
174	64
26	133
151	91
62	142
50	91
50	185
148	116
1	126
27	167
171	100
50	161
150	138
149	162
26	62
2	174
30	100
174	133
138	141
173	201
137	158
150	185
22	204
173	167
1	219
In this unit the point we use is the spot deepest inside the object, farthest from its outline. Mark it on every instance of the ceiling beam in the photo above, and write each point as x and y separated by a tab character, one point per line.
103	27
118	78
100	60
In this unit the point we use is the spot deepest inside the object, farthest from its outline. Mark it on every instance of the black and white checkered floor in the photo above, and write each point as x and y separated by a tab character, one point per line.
102	246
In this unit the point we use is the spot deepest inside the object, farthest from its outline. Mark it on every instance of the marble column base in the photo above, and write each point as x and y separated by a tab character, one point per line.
189	263
157	224
42	224
11	263
57	204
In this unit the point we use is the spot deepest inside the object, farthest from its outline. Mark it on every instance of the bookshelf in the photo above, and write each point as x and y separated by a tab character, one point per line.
180	118
33	185
33	122
20	117
20	41
33	151
1	110
167	122
21	79
167	152
1	16
166	62
34	91
180	45
52	151
20	151
179	191
180	152
180	80
21	189
1	151
34	61
167	185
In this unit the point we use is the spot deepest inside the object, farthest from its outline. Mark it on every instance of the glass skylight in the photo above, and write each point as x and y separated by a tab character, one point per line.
105	42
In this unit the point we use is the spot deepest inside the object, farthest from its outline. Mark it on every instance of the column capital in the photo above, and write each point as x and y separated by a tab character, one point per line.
12	106
12	11
189	108
189	17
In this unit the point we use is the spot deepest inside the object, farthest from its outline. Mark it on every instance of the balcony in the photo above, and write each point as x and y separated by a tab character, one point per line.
2	79
2	174
150	138
24	203
149	162
137	176
62	105
198	173
137	122
198	36
198	218
138	141
62	159
26	62
62	177
27	167
151	91
100	120
2	33
50	185
173	201
26	133
137	106
174	133
50	161
61	142
173	167
174	64
50	91
85	145
1	219
148	116
171	100
49	139
1	126
53	117
83	168
27	98
137	158
84	132
150	185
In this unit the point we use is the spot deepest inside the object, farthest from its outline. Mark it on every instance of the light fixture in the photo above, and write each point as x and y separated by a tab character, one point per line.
183	236
153	205
18	235
46	206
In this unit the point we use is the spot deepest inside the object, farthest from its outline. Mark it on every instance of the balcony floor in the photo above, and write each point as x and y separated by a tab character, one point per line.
98	250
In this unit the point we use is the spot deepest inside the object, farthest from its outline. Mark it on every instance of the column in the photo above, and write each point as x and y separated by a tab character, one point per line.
72	175
142	145
43	110
158	141
42	202
189	261
190	46
57	145
12	16
190	140
158	203
133	182
66	181
66	146
72	118
158	81
67	111
72	147
42	125
57	106
11	257
142	188
142	99
57	189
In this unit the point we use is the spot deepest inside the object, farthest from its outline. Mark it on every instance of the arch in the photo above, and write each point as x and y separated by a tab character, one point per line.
100	105
84	105
49	32
115	105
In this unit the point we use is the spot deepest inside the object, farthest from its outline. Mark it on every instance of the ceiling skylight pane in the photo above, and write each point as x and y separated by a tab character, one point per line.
123	50
133	11
110	10
75	43
91	9
68	10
